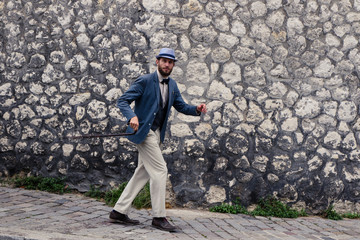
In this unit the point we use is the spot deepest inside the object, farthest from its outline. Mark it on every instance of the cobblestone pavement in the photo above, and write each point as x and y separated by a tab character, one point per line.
28	214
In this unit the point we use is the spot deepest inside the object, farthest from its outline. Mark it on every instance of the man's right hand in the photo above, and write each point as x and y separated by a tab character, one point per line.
134	123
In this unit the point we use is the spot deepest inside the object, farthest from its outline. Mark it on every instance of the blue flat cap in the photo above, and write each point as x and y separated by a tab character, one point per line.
166	53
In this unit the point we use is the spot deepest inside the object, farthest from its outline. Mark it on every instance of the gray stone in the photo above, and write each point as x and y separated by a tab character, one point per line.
215	194
273	105
222	23
110	144
203	19
254	114
260	163
220	55
227	40
204	131
290	125
260	31
349	142
68	86
324	69
205	35
254	75
268	129
6	90
16	60
236	143
347	111
194	148
273	4
281	163
192	8
314	163
231	73
46	136
77	65
162	6
297	45
37	148
177	25
97	110
158	39
238	28
332	140
244	55
280	54
244	177
218	90
307	107
294	26
198	72
221	164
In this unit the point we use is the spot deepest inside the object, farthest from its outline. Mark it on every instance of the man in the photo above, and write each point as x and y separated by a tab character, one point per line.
154	95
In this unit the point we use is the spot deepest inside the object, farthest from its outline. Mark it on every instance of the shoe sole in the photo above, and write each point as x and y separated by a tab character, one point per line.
163	229
123	222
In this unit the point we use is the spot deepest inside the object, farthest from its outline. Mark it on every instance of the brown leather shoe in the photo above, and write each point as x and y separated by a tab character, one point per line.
163	224
117	217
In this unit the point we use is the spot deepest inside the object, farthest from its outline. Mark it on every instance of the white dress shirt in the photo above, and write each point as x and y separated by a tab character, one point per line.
164	89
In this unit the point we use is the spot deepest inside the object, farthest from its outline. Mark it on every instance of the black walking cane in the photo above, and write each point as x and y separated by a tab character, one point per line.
102	135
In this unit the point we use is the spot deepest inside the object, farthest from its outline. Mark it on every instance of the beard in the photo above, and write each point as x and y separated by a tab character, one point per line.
163	73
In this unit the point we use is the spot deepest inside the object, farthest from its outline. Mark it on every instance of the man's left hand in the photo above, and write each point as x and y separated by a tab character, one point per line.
201	108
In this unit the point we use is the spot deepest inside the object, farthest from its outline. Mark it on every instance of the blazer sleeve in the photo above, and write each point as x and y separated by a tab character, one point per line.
181	106
134	92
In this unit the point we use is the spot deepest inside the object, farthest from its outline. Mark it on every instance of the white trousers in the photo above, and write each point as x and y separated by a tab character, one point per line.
151	166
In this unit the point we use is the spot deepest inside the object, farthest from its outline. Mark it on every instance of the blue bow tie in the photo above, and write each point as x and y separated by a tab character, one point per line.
165	80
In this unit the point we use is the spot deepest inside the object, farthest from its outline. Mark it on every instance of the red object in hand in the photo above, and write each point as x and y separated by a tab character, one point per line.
201	108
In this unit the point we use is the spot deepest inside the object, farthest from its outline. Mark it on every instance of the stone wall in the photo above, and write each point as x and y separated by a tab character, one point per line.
280	78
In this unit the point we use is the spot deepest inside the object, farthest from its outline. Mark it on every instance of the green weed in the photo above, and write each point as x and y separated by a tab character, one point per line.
95	192
267	207
112	196
351	215
272	207
142	200
227	208
48	184
330	213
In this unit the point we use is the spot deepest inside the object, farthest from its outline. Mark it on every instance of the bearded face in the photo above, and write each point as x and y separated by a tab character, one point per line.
165	66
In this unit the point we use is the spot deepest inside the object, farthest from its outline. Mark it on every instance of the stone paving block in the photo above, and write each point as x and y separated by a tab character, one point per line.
86	217
235	223
252	228
219	222
182	236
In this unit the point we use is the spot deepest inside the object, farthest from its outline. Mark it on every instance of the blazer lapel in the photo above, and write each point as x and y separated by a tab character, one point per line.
171	93
156	88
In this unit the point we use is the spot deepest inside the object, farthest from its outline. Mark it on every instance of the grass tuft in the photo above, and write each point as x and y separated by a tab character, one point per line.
267	207
48	184
95	192
330	213
227	208
351	215
113	195
272	207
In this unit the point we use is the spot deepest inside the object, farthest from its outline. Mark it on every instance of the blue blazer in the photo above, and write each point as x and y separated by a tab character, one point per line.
145	91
